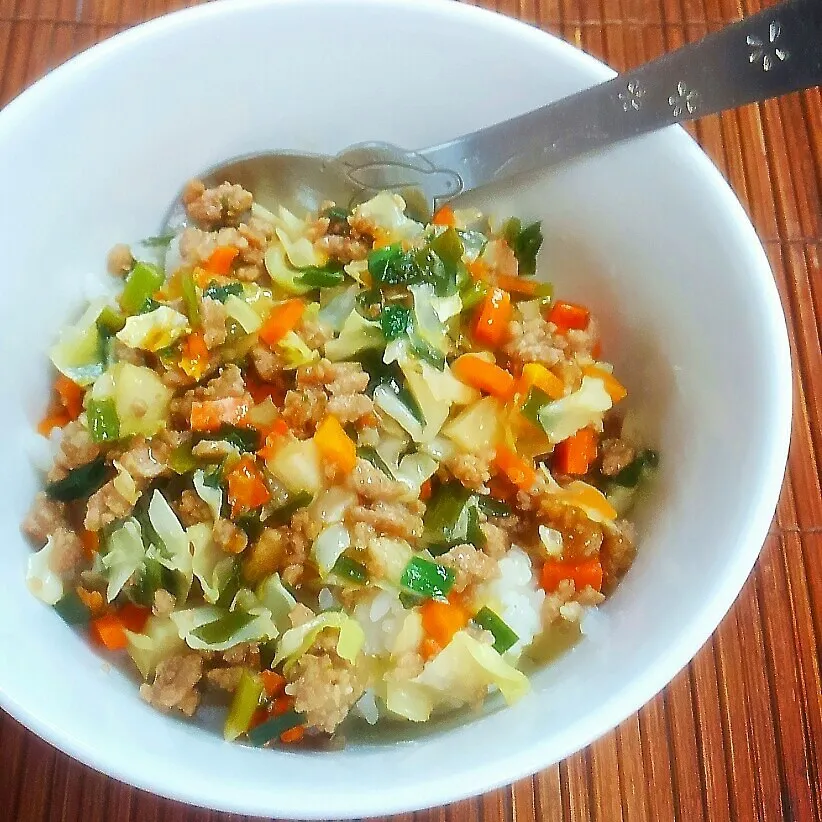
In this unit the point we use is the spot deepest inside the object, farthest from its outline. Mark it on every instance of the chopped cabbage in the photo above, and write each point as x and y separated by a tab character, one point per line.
261	628
357	334
434	411
329	546
296	464
414	470
154	330
212	497
409	700
476	429
41	580
281	273
79	352
158	641
390	556
296	641
295	352
243	313
272	594
446	387
209	563
562	418
140	398
427	324
125	555
125	485
386	400
331	505
337	310
177	545
386	212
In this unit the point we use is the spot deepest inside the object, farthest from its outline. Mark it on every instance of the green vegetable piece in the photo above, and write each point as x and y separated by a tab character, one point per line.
350	569
268	650
525	243
315	277
192	304
245	702
158	241
473	532
79	483
103	422
153	576
536	400
214	477
222	292
492	507
427	578
504	637
110	321
245	439
232	585
651	458
251	524
409	600
473	294
632	473
473	242
283	514
182	461
367	453
224	628
72	609
336	214
446	515
272	728
448	246
148	306
394	321
392	266
427	353
143	280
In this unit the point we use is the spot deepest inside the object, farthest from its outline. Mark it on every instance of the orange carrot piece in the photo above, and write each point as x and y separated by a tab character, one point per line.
221	260
292	735
71	396
567	316
273	440
335	445
445	216
493	317
484	376
441	620
108	631
520	472
581	574
93	600
429	648
195	359
517	285
246	487
616	390
209	415
576	454
536	374
91	542
59	419
282	319
261	390
273	683
478	269
281	704
425	490
258	717
134	617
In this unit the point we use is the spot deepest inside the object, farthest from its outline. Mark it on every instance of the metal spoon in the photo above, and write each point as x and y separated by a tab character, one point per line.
774	52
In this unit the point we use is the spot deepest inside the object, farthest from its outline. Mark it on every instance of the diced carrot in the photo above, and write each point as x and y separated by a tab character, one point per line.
520	472
576	454
195	359
281	704
108	631
335	445
246	487
273	683
429	648
261	390
201	277
425	490
292	735
445	216
441	620
596	351
582	574
500	487
517	285
93	600
536	374
91	542
71	396
134	617
567	316
493	318
282	319
616	390
484	376
209	415
258	717
582	495
59	419
478	269
221	259
273	440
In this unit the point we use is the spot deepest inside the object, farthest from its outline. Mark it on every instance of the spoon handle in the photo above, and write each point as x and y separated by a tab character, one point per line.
768	54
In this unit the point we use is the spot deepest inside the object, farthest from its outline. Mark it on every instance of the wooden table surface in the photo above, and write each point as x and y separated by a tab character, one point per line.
738	734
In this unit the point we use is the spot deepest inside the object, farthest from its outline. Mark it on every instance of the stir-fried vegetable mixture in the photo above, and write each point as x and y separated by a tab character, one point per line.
342	463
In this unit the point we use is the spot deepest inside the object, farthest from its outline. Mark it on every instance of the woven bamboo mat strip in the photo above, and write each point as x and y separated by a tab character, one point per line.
738	734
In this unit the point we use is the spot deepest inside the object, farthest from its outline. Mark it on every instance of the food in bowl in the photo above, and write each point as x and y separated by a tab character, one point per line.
341	464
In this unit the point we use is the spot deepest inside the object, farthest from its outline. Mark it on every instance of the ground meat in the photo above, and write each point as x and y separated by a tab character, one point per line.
581	536
175	684
224	204
246	654
43	519
119	260
300	536
581	342
229	383
106	506
531	341
570	373
618	552
553	602
314	333
214	315
147	460
324	687
589	596
470	565
196	246
472	470
229	537
226	679
265	556
497	540
76	449
125	353
192	509
406	666
343	249
268	364
340	378
67	551
303	409
299	615
372	484
393	519
163	603
616	455
352	409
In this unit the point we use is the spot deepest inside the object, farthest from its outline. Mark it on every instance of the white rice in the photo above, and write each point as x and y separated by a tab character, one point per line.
381	620
366	707
42	450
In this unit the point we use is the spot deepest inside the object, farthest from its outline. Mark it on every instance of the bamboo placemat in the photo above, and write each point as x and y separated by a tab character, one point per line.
738	734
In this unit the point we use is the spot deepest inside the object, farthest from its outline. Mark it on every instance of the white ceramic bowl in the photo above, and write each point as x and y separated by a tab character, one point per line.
648	234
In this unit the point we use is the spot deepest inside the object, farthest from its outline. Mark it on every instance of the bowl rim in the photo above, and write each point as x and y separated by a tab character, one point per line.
500	772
